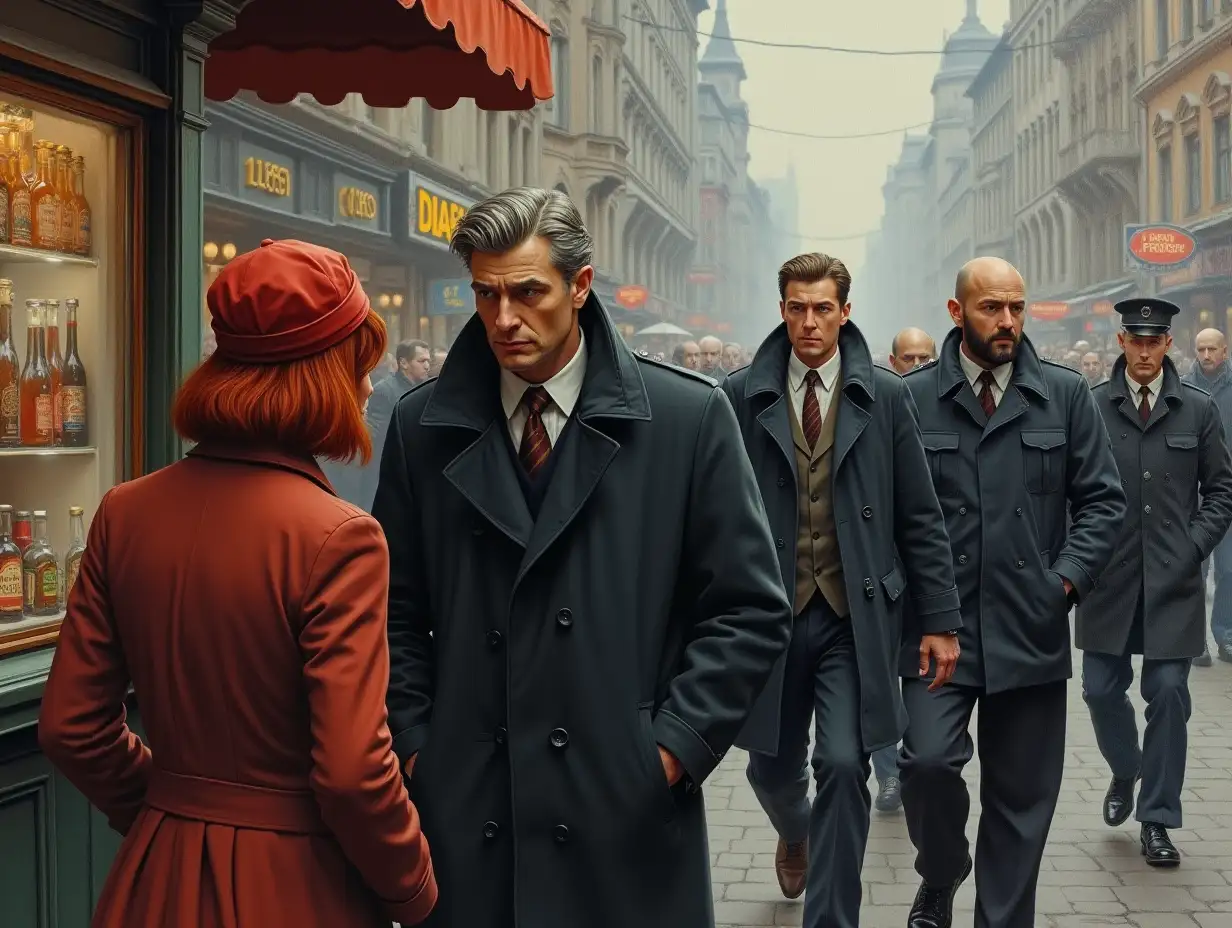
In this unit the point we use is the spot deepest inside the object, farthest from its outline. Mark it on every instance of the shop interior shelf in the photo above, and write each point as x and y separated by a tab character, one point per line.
14	629
47	452
17	253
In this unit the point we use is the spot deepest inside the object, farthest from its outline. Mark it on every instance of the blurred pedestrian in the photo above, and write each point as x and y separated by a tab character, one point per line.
245	605
414	360
1092	368
711	357
910	349
733	356
577	644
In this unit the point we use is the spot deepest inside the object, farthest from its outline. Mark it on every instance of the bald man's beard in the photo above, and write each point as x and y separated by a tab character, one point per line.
984	348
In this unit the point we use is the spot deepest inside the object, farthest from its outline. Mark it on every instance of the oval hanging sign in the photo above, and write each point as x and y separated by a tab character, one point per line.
1162	246
631	296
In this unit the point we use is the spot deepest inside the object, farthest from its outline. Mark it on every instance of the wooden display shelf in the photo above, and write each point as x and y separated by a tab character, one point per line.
21	254
29	633
53	452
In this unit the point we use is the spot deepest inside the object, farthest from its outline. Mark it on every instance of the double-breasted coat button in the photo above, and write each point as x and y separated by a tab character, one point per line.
1018	511
494	639
962	558
814	497
1167	523
813	468
867	512
559	737
962	510
501	735
782	481
564	618
1020	563
869	592
490	830
816	535
1146	475
1167	562
1123	483
1147	509
779	543
561	833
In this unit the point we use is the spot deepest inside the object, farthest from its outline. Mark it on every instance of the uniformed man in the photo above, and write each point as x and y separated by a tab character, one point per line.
1169	444
1011	442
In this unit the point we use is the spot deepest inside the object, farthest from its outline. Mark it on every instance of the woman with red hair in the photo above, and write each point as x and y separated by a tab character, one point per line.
245	604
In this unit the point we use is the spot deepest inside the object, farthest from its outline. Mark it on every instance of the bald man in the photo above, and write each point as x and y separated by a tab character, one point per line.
687	355
1092	368
712	357
1212	374
911	348
1011	439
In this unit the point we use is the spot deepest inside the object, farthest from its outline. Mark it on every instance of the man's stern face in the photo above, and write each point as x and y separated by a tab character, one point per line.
813	315
1144	354
992	316
1212	351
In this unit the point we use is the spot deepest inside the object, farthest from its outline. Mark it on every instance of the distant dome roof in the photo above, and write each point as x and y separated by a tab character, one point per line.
968	48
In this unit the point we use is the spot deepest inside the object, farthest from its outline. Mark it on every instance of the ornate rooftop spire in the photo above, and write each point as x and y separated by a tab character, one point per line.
721	51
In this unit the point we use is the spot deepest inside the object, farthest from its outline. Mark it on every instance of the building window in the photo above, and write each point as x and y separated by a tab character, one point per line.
597	109
493	152
431	132
1193	174
1206	12
1162	39
557	109
1165	183
1223	160
1187	20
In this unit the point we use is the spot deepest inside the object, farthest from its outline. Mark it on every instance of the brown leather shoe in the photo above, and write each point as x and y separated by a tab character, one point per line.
791	865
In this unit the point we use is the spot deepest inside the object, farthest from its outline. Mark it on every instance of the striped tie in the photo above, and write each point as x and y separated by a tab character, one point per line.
812	409
536	445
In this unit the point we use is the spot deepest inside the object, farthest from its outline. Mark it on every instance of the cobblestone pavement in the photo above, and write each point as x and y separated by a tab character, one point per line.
1092	875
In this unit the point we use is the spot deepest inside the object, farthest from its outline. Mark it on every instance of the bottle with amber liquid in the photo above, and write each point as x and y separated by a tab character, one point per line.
40	572
74	428
76	548
37	419
83	240
5	198
55	366
11	598
10	371
64	189
21	220
44	200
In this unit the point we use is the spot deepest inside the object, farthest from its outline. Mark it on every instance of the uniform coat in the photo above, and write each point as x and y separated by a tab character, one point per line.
1178	483
1004	490
246	605
883	503
537	662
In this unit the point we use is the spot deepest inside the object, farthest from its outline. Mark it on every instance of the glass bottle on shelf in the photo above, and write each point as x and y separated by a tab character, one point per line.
76	432
44	200
83	240
21	225
37	420
64	189
10	569
26	160
76	548
10	371
55	367
23	529
5	196
40	571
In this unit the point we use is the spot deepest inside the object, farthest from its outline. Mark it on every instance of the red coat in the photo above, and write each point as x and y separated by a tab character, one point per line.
246	605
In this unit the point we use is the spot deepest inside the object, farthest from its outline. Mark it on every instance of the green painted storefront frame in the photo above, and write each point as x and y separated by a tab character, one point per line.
57	849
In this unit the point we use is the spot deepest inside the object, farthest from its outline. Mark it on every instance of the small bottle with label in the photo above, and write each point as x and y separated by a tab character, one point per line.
10	371
23	529
11	608
76	548
40	569
73	402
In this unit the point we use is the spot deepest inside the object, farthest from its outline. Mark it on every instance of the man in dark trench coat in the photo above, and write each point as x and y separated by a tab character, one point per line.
1011	440
859	530
585	597
1169	444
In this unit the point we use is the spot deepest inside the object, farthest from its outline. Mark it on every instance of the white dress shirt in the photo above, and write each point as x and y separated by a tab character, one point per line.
1153	388
564	389
797	370
1000	376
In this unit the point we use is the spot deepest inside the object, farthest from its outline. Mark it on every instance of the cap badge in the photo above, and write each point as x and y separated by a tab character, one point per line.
1146	312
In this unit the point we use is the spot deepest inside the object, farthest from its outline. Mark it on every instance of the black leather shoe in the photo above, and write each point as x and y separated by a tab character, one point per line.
1119	801
1202	660
1158	848
934	905
889	797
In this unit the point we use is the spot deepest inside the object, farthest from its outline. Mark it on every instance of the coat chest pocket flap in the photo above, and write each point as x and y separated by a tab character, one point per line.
1182	442
1043	460
938	447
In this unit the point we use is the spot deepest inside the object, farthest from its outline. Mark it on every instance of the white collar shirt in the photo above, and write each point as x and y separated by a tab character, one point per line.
828	373
1001	376
564	388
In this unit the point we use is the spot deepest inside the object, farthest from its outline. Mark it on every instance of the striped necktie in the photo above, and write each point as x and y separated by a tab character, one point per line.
536	445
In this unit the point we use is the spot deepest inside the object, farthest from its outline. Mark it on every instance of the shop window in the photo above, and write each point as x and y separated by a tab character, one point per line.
1193	174
1222	168
1165	183
69	228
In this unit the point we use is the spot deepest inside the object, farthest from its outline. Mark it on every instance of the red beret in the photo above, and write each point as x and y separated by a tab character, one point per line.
284	301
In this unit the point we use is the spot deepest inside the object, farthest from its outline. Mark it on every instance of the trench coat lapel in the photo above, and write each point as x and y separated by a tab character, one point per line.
768	378
484	474
1127	404
857	391
1026	380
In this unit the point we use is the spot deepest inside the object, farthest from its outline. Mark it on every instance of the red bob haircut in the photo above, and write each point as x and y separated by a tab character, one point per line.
310	406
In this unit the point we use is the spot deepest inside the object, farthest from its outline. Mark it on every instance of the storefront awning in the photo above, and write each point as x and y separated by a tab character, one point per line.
495	52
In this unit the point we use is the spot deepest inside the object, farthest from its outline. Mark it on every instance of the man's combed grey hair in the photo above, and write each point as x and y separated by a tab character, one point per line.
506	220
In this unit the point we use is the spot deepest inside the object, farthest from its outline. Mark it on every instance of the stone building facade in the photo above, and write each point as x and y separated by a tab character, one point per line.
992	155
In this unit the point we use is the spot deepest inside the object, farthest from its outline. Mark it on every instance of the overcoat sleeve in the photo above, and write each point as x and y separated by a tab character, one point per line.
1214	514
83	727
1096	500
355	776
412	671
919	526
740	619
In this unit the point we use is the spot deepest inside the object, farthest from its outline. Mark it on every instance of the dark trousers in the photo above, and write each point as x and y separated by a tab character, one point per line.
821	682
885	763
1022	754
1221	606
1106	679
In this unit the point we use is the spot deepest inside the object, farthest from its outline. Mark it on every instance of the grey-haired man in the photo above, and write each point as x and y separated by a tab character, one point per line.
577	631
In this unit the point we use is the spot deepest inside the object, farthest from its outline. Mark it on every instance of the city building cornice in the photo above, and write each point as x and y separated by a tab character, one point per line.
1088	23
644	99
1184	61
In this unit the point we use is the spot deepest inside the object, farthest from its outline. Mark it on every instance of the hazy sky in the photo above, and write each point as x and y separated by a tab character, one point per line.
835	93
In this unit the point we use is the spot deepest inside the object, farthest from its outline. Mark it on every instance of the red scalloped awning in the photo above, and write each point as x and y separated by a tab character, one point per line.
495	52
